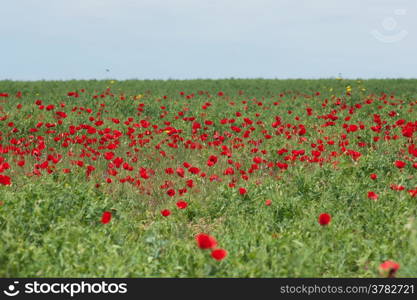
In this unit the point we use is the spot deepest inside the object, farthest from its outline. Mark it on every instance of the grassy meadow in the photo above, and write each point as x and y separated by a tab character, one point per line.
118	178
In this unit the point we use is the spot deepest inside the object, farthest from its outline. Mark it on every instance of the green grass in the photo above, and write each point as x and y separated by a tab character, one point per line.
50	224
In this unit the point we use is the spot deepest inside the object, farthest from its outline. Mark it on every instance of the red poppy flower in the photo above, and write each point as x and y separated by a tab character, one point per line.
242	191
182	204
106	217
324	219
373	176
396	187
108	155
229	171
180	172
190	183
212	160
205	241
412	193
257	160
219	254
389	268
169	171
400	164
194	170
5	180
165	212
268	202
373	195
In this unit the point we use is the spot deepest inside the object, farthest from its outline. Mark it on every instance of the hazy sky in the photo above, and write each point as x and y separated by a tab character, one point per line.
149	39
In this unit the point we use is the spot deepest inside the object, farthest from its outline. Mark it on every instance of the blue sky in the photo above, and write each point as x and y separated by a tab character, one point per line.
185	39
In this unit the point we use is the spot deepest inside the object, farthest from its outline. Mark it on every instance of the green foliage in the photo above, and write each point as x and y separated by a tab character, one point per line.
50	226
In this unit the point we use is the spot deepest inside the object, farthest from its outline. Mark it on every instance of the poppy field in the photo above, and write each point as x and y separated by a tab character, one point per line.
208	178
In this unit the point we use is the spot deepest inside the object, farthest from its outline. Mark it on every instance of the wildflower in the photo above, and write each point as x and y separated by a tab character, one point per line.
165	212
324	219
373	195
212	160
219	254
182	204
106	217
400	164
5	180
205	241
389	268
